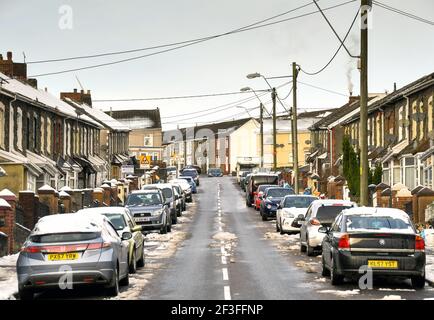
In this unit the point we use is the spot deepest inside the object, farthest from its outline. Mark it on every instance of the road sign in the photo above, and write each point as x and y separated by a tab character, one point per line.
145	162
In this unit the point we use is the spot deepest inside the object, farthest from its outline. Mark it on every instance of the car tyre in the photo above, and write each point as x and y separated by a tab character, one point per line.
335	278
25	294
325	272
277	227
125	281
264	217
302	247
164	230
113	290
309	250
133	262
141	262
418	282
175	220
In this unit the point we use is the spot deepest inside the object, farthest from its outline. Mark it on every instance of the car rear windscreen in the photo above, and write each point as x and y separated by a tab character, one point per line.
329	213
64	237
365	223
117	220
167	192
258	180
190	173
279	193
298	202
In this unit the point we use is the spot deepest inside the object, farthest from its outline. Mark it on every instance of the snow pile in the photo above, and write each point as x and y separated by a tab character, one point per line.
224	236
8	277
9	261
343	293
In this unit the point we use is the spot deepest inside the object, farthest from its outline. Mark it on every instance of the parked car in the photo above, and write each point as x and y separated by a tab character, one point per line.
172	170
383	239
179	192
289	209
321	213
255	181
186	188
191	182
192	166
259	194
168	191
215	172
123	221
246	181
193	174
85	247
150	210
271	200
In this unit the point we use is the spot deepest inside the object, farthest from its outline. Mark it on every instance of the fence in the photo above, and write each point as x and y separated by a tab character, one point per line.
42	210
20	235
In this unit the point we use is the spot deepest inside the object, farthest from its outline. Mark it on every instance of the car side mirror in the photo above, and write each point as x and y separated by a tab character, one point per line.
126	235
324	230
301	217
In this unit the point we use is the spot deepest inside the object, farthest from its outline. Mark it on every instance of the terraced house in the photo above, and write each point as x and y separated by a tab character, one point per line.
43	139
401	136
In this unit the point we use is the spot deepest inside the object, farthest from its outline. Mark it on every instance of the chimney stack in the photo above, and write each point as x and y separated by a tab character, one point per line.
9	55
1	57
75	90
394	86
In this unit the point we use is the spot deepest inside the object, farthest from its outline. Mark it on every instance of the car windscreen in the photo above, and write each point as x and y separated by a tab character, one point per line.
167	192
144	199
262	187
279	193
329	213
117	220
215	171
258	180
190	173
298	202
377	223
64	237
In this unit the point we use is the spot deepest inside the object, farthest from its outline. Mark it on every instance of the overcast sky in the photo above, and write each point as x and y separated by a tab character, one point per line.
401	50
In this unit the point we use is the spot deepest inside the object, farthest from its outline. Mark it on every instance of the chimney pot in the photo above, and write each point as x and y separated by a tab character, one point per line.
75	90
82	91
88	91
394	86
9	55
46	90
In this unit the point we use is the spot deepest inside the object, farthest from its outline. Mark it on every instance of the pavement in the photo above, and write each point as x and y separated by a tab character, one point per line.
222	250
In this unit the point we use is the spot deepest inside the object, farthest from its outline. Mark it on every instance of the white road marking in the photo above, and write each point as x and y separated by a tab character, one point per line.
222	250
224	260
220	228
227	292
225	274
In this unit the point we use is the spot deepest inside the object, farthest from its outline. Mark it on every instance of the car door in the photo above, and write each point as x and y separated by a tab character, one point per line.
137	235
122	247
303	226
330	240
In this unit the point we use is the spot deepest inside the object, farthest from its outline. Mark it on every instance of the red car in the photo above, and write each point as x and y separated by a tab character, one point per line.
258	195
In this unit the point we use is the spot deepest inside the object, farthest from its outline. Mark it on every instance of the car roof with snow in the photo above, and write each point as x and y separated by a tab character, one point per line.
331	202
103	210
143	191
300	196
371	211
69	222
158	185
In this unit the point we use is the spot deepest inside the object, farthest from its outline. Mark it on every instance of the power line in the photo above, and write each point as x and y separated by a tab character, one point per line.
337	51
323	89
193	42
404	13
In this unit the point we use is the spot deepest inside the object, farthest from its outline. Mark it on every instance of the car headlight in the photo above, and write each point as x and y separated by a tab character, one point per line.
269	206
157	212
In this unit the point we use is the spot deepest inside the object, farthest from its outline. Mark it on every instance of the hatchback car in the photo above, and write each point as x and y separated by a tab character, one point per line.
192	166
83	249
382	239
321	213
191	182
193	174
169	195
122	220
289	209
259	194
255	181
215	172
271	200
150	210
180	195
186	188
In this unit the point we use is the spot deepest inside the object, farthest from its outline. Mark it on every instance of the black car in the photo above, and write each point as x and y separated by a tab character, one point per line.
192	166
215	172
150	210
382	239
191	173
255	181
271	199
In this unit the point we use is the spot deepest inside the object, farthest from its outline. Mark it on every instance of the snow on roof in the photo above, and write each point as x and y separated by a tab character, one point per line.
4	203
391	212
25	90
46	187
102	210
100	116
68	222
6	192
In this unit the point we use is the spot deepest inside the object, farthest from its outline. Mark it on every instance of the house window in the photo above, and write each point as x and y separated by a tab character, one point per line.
408	172
2	125
401	123
386	173
49	135
396	172
430	114
427	172
36	136
42	134
148	140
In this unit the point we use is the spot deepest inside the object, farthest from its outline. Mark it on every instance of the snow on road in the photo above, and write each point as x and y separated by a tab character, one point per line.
8	277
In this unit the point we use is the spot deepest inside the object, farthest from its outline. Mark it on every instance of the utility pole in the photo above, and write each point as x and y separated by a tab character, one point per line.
364	166
273	97
294	127
261	115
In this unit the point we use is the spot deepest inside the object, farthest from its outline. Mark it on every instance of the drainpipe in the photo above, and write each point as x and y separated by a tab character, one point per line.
11	129
330	131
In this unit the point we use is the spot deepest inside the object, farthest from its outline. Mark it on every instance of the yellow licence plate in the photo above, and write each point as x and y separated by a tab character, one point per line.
383	264
63	256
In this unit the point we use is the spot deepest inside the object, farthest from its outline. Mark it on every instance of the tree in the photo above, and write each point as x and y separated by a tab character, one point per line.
351	167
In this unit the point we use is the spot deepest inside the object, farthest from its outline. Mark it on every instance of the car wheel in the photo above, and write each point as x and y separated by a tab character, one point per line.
125	281
248	204
175	220
169	226
310	251
113	290
302	247
264	217
418	282
163	230
325	272
25	294
335	278
133	262
141	262
277	227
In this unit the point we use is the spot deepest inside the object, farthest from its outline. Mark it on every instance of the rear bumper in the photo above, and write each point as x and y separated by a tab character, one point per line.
412	265
269	212
287	225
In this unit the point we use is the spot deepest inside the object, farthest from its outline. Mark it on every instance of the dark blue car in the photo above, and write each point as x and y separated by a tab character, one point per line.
271	199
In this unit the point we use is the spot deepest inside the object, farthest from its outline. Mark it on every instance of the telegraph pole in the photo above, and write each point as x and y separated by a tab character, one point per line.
273	97
294	127
364	166
261	115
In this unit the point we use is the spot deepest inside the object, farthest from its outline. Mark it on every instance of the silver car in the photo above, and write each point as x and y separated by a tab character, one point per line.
68	250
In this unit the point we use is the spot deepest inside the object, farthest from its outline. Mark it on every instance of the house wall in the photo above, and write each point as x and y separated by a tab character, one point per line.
244	142
16	179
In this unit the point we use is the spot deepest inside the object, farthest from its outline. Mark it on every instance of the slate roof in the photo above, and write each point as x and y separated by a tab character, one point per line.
138	118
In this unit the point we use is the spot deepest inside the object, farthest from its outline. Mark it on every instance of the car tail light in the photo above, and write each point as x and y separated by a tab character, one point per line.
65	248
419	244
31	249
98	245
344	242
314	222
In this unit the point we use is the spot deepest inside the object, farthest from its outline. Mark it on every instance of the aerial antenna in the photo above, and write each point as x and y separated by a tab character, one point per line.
79	83
24	55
